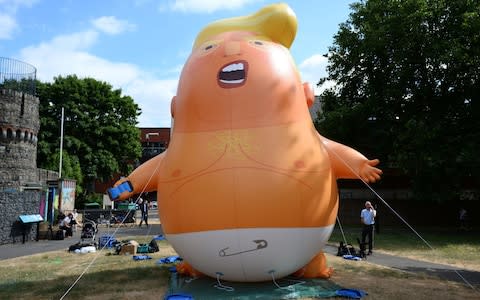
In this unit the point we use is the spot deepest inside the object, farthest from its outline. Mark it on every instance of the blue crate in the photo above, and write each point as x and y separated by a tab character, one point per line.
106	241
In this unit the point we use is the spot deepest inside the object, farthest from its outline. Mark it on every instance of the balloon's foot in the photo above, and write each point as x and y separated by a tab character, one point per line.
184	268
316	268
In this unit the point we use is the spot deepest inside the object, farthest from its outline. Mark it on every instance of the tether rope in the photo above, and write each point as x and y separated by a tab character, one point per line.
400	217
221	286
114	232
343	235
297	282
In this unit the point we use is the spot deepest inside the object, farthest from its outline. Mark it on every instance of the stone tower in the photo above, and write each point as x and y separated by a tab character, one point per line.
19	125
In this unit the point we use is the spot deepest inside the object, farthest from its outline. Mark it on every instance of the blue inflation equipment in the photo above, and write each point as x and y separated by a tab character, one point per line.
115	192
172	269
351	293
351	257
159	237
178	297
141	257
169	259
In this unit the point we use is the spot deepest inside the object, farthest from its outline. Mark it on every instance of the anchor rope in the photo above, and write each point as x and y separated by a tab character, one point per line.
221	286
297	282
400	217
114	232
343	235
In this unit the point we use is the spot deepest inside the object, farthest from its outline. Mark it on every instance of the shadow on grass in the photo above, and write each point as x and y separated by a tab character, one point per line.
102	284
152	282
472	277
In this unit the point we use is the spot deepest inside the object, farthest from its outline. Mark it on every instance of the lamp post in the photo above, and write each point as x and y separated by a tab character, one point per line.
61	145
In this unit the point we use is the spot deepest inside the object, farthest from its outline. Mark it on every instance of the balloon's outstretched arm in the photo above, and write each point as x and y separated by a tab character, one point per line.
348	163
142	179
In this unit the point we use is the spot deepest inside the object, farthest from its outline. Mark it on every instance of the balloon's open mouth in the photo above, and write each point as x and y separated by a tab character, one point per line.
233	74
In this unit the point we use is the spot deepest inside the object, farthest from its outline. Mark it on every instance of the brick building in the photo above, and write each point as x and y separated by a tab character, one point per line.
154	141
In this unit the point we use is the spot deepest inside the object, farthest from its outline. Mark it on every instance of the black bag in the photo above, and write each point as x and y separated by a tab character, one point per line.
118	245
153	246
362	253
118	248
346	249
80	245
59	235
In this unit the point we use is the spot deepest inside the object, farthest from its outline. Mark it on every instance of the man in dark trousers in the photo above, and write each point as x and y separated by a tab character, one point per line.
367	216
144	211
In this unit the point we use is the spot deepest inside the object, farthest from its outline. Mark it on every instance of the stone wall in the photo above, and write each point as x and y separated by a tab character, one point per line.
12	205
19	126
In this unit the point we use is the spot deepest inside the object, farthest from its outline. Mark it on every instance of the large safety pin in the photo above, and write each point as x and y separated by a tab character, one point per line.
260	245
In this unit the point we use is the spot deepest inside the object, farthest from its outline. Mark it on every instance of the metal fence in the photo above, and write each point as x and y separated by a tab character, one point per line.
47	175
17	75
109	217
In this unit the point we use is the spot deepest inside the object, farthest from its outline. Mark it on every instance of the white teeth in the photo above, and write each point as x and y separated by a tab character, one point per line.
233	67
232	81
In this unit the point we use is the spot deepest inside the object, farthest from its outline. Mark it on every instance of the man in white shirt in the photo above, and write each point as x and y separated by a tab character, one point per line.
367	217
144	210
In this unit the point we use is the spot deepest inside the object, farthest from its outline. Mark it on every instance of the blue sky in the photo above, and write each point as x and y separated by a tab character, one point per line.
140	46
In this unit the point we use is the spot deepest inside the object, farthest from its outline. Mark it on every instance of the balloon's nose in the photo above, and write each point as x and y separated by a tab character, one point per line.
232	48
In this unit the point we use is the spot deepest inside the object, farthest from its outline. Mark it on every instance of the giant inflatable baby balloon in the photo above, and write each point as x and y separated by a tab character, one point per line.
247	188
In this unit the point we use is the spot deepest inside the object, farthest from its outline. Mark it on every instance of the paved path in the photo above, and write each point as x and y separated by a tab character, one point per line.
443	271
32	247
411	265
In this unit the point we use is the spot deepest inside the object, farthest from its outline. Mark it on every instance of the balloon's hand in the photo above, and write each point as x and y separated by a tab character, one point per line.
122	190
368	172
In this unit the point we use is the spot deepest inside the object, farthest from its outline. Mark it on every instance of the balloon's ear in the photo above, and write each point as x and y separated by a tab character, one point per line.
172	106
309	96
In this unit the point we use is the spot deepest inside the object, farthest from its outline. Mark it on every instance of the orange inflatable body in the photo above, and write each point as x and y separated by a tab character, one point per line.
247	188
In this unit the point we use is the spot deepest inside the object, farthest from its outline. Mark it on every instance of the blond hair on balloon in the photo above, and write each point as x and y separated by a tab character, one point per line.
278	22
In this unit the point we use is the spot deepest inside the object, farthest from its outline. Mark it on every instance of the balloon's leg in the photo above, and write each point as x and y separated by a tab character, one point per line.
316	268
185	268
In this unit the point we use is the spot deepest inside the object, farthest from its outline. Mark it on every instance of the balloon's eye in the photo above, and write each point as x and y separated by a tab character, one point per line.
258	44
209	47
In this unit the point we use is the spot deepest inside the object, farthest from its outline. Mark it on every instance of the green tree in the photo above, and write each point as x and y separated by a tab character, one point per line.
100	134
70	167
407	89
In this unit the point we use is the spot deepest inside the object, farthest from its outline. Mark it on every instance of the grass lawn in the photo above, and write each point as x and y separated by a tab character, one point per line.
450	246
50	275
